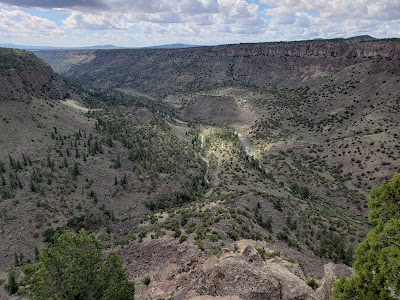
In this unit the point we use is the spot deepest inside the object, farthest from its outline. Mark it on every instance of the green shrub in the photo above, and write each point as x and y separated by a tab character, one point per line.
73	268
146	280
313	283
182	238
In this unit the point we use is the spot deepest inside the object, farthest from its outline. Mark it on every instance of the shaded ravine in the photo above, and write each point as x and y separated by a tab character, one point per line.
204	159
181	122
249	150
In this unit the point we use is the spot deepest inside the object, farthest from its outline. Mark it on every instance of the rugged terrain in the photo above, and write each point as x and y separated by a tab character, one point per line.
319	114
173	156
337	100
64	164
246	269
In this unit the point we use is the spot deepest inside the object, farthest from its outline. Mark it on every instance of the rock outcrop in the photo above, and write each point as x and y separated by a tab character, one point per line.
167	71
332	273
236	276
246	270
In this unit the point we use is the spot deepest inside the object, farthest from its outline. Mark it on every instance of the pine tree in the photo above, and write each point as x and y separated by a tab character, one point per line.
75	170
16	260
36	253
12	285
117	162
377	262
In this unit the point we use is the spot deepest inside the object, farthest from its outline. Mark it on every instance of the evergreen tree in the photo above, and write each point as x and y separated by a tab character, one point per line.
12	285
377	262
117	162
2	167
73	268
16	260
36	253
75	170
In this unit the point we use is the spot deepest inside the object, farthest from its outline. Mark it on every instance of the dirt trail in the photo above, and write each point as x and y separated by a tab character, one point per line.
78	106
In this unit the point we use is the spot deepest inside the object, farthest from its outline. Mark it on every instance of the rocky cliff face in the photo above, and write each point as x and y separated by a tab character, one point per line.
245	270
23	76
168	71
61	61
325	49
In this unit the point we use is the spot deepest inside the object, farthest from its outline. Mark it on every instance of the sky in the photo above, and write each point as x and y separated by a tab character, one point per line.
138	23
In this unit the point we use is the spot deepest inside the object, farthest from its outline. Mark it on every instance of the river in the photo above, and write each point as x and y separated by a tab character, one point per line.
249	149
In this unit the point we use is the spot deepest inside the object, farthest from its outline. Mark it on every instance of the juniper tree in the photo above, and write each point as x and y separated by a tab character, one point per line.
377	262
72	268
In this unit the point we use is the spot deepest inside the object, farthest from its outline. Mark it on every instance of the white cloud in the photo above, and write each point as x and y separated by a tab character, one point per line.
384	10
303	19
144	22
163	17
238	9
198	6
18	23
365	9
281	15
96	22
238	16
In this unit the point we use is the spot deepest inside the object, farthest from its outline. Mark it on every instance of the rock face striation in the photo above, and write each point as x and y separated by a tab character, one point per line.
247	270
163	72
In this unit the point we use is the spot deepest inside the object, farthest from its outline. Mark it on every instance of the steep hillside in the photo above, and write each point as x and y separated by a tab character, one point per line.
161	71
188	151
65	165
23	77
62	60
319	113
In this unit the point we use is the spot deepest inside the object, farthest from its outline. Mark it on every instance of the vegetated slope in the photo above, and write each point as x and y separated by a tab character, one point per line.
320	113
172	70
62	60
308	111
23	76
64	165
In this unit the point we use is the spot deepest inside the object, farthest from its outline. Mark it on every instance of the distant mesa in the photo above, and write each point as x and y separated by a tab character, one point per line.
30	47
25	47
361	37
102	47
166	46
357	37
174	46
95	47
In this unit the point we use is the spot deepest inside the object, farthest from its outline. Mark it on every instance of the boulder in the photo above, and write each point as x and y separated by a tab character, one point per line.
236	276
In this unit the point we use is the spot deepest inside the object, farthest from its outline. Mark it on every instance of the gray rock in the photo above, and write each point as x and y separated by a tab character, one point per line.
239	277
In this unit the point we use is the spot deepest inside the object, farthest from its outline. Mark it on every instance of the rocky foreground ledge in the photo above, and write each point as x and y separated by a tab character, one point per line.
245	270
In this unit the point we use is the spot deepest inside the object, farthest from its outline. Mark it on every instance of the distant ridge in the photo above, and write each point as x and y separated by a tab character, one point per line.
108	47
28	47
166	46
174	46
102	47
361	37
